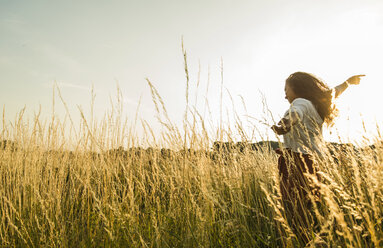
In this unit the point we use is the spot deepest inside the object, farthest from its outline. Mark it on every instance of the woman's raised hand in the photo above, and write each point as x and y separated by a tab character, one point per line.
355	80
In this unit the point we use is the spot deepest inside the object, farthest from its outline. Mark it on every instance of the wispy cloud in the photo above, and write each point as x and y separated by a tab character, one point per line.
74	86
63	85
50	52
11	22
56	55
137	104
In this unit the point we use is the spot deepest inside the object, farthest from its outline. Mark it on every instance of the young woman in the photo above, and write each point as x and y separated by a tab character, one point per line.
311	108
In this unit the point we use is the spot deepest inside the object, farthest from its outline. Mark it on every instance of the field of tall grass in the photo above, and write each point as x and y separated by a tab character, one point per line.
99	194
174	198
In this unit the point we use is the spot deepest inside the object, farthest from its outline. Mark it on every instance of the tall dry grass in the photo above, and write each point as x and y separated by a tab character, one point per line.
166	198
185	196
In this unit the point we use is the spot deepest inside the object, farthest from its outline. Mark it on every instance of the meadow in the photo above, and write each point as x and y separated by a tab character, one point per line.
177	191
157	197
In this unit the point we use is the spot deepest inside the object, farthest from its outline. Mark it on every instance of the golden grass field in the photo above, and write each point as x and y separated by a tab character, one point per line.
184	195
92	196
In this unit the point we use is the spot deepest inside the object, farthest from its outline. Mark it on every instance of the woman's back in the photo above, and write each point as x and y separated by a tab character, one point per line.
306	135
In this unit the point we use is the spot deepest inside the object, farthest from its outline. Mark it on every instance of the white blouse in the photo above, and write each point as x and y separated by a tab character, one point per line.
305	135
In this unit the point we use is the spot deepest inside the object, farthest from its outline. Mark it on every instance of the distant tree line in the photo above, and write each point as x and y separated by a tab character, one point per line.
218	149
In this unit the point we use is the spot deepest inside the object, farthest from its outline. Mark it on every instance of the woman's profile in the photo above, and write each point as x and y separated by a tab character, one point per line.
311	107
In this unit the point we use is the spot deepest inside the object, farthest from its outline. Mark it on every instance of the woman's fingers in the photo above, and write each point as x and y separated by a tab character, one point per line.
276	129
279	129
355	79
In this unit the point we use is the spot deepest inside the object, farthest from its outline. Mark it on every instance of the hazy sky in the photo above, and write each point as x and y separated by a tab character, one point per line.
104	43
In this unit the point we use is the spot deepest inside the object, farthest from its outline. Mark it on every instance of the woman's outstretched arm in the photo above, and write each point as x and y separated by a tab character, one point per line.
355	80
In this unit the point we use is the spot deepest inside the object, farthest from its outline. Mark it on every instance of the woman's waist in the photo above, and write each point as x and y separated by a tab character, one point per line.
301	151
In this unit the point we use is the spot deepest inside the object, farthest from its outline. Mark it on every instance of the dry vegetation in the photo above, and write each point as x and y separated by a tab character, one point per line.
163	198
96	197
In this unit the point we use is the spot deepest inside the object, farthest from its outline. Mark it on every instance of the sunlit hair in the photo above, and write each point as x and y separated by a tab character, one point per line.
307	86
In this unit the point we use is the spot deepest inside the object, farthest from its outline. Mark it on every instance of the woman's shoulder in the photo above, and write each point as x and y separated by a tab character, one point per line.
302	102
306	106
303	105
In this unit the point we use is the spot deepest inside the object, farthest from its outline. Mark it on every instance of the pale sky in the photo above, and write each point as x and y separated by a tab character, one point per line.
104	43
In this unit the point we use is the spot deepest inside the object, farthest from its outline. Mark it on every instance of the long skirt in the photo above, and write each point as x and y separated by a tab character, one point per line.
297	191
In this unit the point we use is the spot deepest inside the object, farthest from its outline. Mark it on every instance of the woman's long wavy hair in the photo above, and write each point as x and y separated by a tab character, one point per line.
307	86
